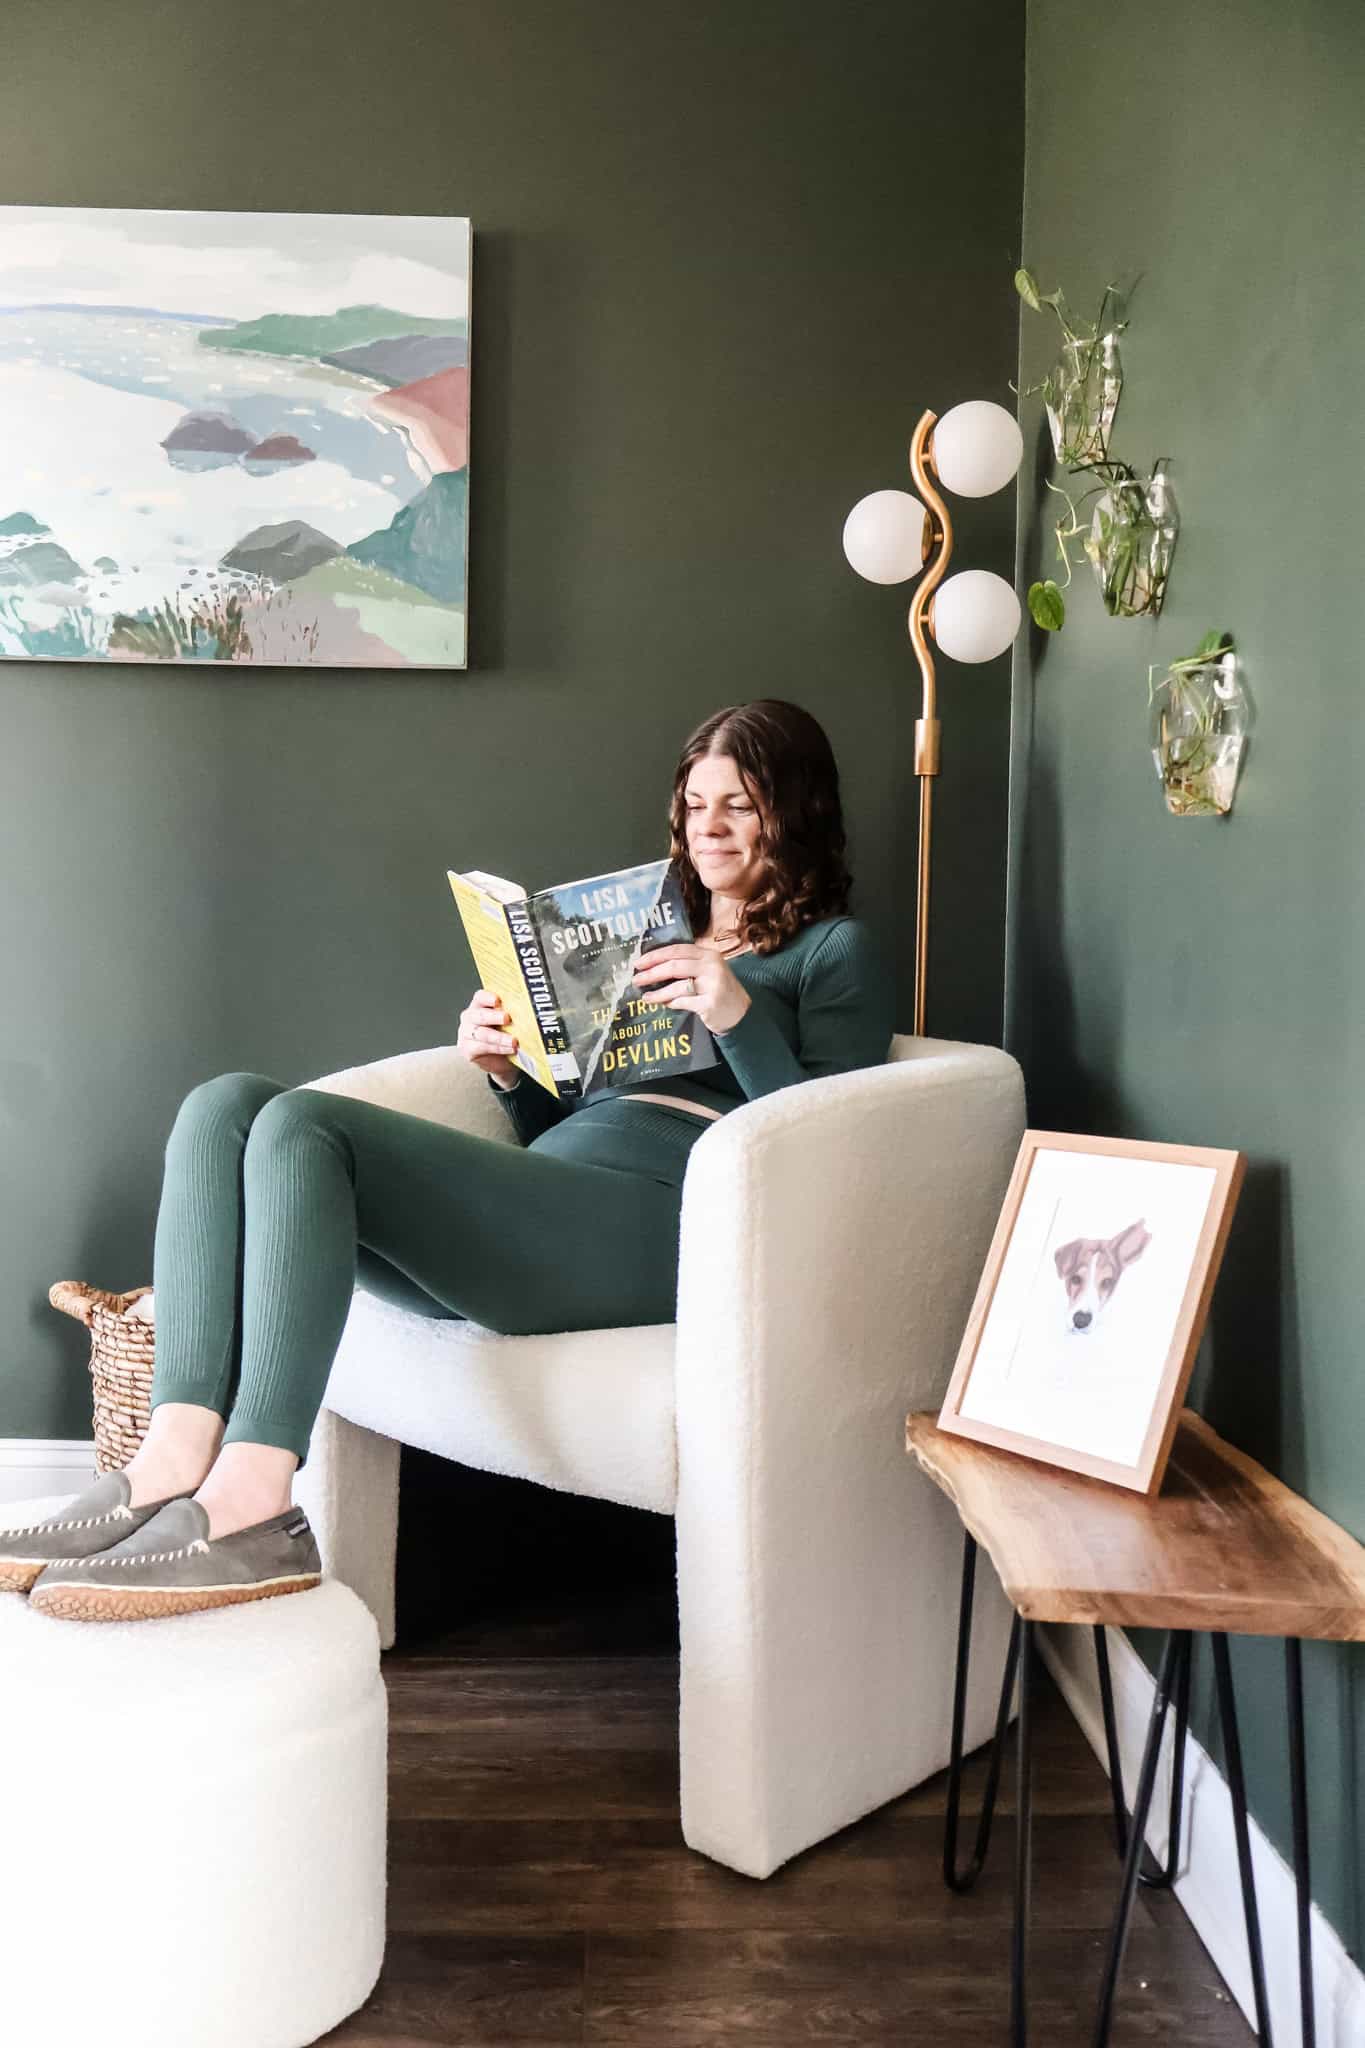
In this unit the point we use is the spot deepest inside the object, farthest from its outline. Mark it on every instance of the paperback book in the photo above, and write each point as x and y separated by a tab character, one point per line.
563	960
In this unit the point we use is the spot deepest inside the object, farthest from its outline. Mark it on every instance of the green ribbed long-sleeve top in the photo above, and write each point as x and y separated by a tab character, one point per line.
822	1004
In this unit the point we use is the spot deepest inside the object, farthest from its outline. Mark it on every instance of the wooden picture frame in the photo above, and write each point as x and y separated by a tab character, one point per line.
1061	1360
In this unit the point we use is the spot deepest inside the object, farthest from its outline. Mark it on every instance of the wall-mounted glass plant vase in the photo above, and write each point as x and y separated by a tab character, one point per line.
1081	397
1199	724
1132	539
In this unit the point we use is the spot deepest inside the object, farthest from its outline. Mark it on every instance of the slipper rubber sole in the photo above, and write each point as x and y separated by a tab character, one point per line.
18	1573
139	1603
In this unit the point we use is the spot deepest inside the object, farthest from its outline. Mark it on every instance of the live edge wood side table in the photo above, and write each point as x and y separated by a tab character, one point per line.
1223	1549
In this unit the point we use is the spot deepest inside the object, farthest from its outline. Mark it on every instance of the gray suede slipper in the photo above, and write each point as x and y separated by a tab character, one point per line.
93	1521
170	1566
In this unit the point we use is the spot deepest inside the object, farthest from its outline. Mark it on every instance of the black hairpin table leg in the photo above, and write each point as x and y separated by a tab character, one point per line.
1298	1786
963	1880
1019	1657
1232	1758
1164	1878
1167	1678
1023	1842
1111	1740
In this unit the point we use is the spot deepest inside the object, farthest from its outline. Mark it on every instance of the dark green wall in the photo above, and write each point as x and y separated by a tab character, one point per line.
708	307
1202	980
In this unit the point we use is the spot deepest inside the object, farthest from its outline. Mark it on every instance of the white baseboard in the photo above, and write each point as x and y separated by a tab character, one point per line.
32	1466
1207	1882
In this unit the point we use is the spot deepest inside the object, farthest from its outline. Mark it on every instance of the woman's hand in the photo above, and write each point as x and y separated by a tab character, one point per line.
483	1043
692	978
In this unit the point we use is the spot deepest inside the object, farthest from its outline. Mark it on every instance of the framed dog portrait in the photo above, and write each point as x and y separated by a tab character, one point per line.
1083	1334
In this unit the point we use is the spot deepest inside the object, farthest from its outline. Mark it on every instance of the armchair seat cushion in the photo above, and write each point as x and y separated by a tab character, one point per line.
589	1411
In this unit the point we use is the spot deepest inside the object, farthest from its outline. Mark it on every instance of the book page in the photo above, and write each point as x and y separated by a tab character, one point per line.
495	957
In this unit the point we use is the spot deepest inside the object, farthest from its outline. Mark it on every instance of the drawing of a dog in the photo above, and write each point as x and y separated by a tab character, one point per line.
1090	1269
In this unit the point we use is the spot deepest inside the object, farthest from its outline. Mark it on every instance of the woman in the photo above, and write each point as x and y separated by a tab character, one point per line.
277	1201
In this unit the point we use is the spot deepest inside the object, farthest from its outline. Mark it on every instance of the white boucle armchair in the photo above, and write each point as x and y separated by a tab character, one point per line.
832	1237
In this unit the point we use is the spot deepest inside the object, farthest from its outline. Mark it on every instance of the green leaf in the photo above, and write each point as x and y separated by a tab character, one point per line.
1047	606
1027	289
1211	644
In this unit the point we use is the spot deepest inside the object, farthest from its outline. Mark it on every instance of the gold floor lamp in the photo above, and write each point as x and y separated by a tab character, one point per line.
889	536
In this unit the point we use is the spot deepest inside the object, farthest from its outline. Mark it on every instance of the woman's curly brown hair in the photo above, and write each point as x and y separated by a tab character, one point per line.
787	765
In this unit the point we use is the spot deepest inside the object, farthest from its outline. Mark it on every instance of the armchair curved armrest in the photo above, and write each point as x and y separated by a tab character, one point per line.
436	1082
833	1234
844	1213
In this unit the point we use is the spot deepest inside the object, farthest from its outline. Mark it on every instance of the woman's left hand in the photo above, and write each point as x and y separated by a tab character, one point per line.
692	978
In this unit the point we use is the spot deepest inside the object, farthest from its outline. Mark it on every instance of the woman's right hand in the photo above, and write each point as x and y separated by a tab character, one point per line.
483	1043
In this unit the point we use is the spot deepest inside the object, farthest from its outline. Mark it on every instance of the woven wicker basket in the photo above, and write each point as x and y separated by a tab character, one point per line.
121	1347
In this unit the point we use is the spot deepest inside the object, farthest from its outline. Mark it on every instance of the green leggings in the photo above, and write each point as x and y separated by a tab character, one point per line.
277	1201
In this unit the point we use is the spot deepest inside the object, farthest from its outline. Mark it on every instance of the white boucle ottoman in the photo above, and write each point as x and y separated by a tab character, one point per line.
192	1823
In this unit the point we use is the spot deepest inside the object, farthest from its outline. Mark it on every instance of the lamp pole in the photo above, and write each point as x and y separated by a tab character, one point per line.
938	534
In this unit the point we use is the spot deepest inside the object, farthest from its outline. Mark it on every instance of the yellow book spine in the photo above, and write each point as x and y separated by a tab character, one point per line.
495	956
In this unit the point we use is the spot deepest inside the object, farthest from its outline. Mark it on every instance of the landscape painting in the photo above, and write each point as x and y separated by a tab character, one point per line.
233	437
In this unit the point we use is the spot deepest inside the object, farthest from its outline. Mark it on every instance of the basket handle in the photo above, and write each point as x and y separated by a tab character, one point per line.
74	1298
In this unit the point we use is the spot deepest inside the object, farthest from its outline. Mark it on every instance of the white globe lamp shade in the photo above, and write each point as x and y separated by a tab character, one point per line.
884	537
977	447
976	615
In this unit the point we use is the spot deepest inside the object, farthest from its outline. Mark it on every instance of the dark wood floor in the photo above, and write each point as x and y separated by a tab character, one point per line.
540	1892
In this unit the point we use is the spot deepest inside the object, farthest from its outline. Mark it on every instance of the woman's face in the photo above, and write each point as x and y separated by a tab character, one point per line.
723	826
